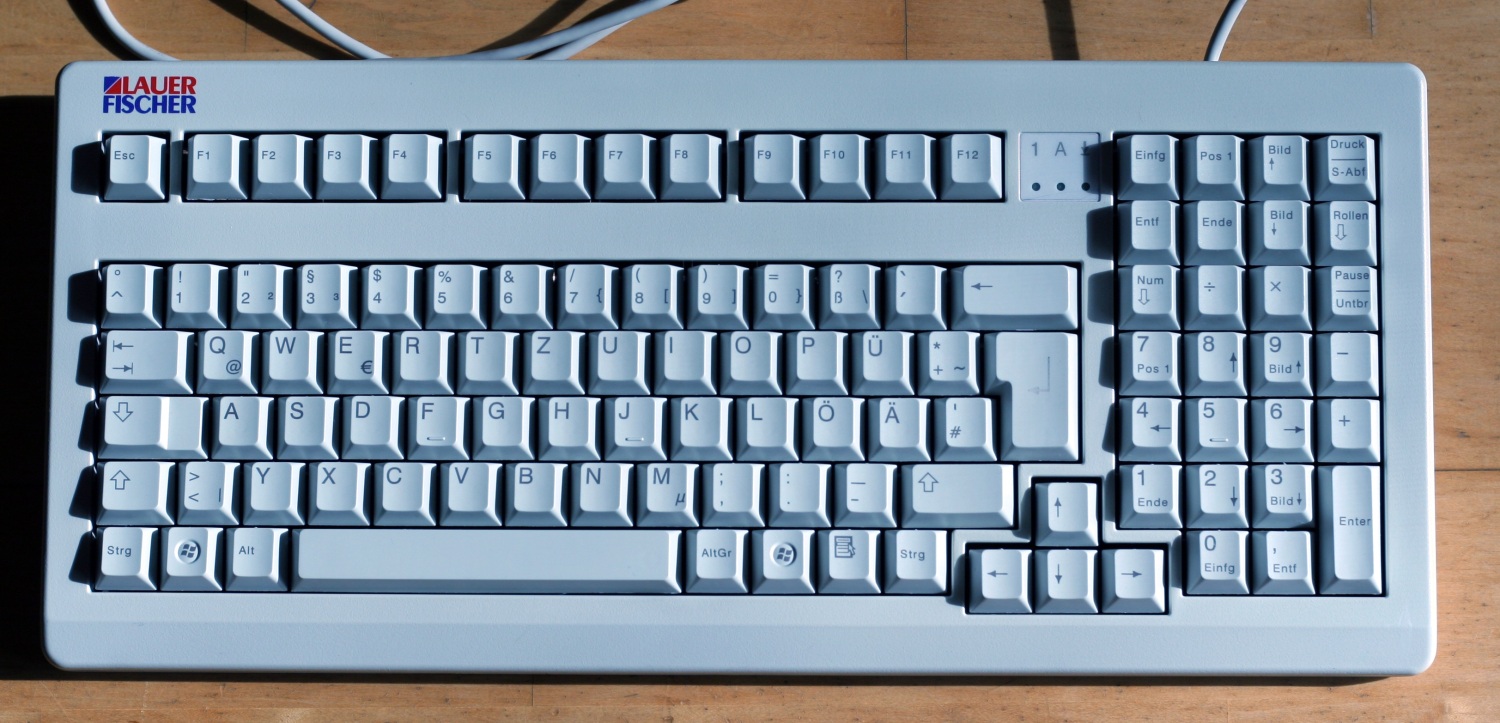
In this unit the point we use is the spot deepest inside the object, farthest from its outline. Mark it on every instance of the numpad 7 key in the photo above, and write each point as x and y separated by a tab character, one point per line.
773	367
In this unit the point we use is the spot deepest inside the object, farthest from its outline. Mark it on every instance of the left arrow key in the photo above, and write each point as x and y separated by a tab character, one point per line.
147	362
152	428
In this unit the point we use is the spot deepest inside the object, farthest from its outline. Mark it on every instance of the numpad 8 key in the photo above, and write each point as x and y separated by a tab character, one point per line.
800	367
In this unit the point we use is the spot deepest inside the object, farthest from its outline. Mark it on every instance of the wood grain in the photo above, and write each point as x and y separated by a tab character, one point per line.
1451	40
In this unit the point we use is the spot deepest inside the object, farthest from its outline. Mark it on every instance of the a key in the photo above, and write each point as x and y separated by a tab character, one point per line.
781	562
293	362
958	496
848	293
559	167
1346	233
307	427
206	493
455	296
1211	168
587	299
1281	430
422	362
837	169
533	494
1132	581
948	363
716	561
283	164
1278	168
1020	297
903	167
218	169
773	167
1279	298
338	494
832	429
690	165
1215	364
1347	298
1281	496
373	428
633	429
1148	232
1349	531
135	168
898	429
135	493
965	430
1214	430
716	297
502	428
1348	365
436	428
750	362
700	429
1066	514
1149	429
619	362
390	293
1283	562
262	297
147	362
783	297
492	167
767	429
602	494
847	562
325	296
685	362
999	581
1064	581
190	559
404	494
1281	365
666	495
732	495
489	362
972	167
916	562
257	559
1344	168
1148	363
815	362
1036	376
273	493
864	495
1149	497
152	428
411	169
652	294
882	363
1213	297
914	297
798	495
1216	562
132	297
242	428
470	495
1348	430
1216	496
1148	298
346	167
197	296
1148	168
523	297
569	429
1278	233
127	559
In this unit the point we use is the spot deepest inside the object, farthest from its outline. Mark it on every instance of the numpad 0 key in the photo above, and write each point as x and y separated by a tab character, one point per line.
775	367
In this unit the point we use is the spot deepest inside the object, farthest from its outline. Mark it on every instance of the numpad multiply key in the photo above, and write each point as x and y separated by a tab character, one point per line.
772	367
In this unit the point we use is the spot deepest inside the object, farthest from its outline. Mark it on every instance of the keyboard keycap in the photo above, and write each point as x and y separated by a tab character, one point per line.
1281	430
1006	298
127	559
619	362
588	297
815	363
602	494
307	428
533	494
653	295
1149	497
1278	168
750	362
717	297
832	429
346	165
1214	297
916	562
690	165
436	428
1283	563
1346	233
948	363
1148	168
666	495
1148	363
218	167
262	297
685	362
152	428
1349	531
1215	364
965	430
554	362
489	362
1066	514
848	293
523	297
492	167
258	559
135	168
1277	233
283	166
903	167
847	562
1132	581
132	297
767	428
864	495
1347	298
1211	168
898	429
569	430
405	495
293	362
135	493
838	170
207	493
972	167
700	429
1215	430
455	296
242	428
372	427
1064	581
338	495
1036	375
559	163
390	297
325	296
633	429
773	164
783	297
1281	365
190	559
1148	298
423	362
798	496
147	362
1348	430
1348	365
958	496
1344	168
471	495
732	495
412	169
1216	563
1279	298
1148	233
716	561
999	581
882	363
502	428
1149	429
624	162
781	562
1217	496
1282	496
914	297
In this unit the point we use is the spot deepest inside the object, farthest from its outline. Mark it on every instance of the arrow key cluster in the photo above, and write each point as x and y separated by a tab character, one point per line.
1063	581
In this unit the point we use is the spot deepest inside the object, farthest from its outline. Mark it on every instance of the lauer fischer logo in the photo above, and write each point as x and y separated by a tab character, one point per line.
150	94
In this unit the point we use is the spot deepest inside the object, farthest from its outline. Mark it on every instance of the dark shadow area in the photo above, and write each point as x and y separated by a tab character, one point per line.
1062	32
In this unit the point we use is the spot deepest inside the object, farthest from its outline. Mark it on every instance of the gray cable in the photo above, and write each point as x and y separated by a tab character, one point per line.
327	30
568	35
568	50
1221	33
121	34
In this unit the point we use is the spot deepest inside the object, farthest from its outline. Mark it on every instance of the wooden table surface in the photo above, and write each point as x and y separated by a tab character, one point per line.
1453	41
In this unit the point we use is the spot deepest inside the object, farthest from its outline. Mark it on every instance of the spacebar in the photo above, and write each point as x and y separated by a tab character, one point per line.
486	561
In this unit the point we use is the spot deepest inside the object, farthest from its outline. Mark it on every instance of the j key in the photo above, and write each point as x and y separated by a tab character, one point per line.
1148	363
470	495
958	495
898	429
404	494
152	428
602	494
767	429
783	297
147	362
587	299
1348	365
358	362
750	362
1281	365
390	293
948	363
1215	364
135	493
864	495
325	296
732	495
1148	298
652	294
882	363
262	296
1021	297
634	429
422	362
717	297
197	296
242	428
292	363
1217	496
1213	233
455	296
619	362
523	297
132	297
914	297
1278	233
1149	430
848	297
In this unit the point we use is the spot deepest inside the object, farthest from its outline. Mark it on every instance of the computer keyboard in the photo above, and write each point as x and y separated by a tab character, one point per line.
806	367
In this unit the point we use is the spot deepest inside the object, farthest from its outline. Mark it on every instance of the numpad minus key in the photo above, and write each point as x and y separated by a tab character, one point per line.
768	367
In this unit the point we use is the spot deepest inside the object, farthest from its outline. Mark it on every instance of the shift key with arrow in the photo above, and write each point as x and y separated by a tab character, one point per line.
206	493
135	493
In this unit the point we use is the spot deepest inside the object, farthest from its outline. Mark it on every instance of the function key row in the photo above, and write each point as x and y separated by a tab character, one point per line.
714	297
891	167
1229	168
